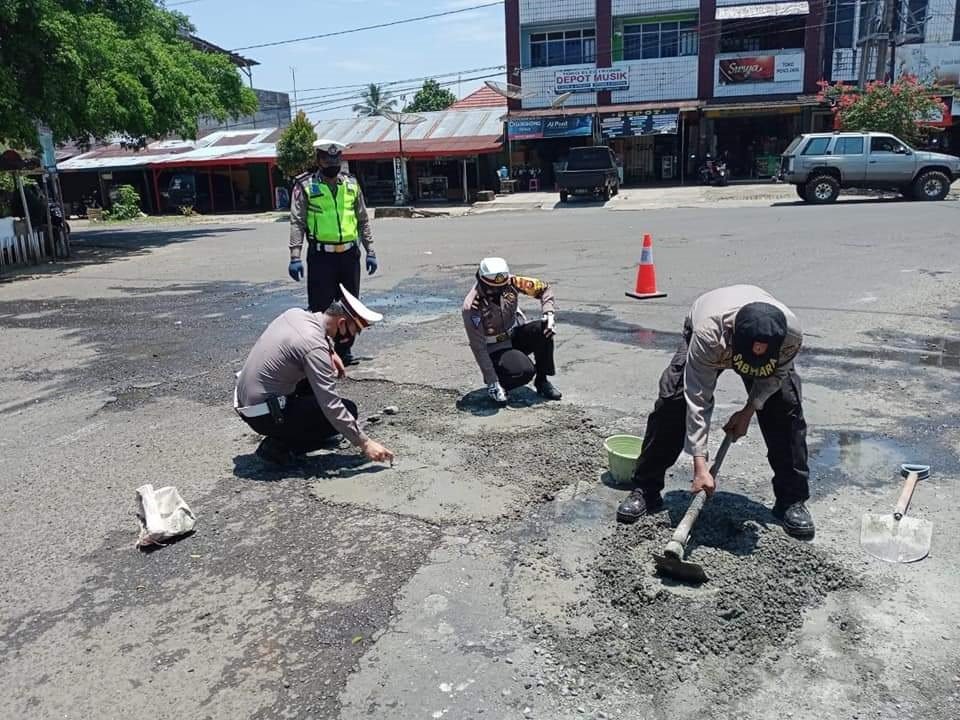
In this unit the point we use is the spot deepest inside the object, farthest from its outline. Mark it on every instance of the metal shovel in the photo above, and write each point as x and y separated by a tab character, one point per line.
671	563
896	537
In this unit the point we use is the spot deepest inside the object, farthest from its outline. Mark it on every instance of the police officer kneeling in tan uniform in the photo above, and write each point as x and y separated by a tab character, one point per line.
286	387
500	341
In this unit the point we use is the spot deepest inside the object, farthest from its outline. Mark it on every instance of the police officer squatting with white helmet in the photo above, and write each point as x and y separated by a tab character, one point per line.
745	329
286	389
327	207
500	339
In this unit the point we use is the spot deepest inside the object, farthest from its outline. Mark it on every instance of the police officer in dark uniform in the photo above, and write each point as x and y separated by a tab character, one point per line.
327	208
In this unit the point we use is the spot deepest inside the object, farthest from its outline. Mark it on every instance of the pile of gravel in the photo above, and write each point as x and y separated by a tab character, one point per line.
655	634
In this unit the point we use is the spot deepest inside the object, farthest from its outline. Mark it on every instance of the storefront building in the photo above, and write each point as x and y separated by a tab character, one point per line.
665	82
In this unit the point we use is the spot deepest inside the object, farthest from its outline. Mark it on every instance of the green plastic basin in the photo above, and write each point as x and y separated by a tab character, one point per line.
622	454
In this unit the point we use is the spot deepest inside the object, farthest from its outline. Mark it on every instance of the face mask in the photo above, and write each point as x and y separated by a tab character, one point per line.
331	172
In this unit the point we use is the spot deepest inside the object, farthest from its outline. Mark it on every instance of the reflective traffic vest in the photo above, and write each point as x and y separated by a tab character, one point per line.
332	220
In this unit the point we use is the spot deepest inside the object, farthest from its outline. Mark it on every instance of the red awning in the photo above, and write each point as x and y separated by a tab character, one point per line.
433	147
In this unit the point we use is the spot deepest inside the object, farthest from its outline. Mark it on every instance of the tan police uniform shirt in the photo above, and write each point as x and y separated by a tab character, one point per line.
711	351
293	347
488	324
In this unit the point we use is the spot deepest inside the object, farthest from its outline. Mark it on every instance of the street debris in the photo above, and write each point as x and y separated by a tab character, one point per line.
391	410
163	515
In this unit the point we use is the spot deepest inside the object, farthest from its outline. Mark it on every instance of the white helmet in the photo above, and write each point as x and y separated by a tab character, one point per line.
494	271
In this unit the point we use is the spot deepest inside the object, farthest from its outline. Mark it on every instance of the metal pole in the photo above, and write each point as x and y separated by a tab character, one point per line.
296	103
49	232
683	152
26	209
403	167
466	194
894	27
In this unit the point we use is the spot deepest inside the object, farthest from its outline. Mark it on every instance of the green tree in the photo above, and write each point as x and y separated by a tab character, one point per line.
431	97
93	68
899	108
375	100
295	152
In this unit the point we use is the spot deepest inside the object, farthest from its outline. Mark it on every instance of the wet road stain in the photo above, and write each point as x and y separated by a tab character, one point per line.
613	329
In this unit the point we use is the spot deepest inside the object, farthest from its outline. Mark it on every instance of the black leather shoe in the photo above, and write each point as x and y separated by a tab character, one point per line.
546	390
276	452
796	519
348	358
636	505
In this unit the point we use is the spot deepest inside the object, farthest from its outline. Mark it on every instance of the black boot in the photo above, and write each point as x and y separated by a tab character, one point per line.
796	519
546	390
636	505
276	452
347	357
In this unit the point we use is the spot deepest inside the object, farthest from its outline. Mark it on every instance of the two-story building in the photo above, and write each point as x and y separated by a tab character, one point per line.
663	82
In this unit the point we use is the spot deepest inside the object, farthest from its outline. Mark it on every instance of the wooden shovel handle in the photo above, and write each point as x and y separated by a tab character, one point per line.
682	532
909	485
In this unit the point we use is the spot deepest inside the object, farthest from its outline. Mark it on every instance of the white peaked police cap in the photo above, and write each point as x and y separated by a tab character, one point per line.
494	271
358	312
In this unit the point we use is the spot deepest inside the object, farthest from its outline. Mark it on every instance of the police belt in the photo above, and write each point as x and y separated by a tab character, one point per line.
272	406
502	337
336	247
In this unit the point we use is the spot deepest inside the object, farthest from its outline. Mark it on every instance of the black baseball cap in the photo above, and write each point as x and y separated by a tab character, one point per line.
758	322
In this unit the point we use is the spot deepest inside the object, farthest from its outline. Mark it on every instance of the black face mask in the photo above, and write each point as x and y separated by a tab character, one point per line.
330	172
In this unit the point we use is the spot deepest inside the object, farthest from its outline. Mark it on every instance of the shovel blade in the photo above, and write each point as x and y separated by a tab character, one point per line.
679	569
899	541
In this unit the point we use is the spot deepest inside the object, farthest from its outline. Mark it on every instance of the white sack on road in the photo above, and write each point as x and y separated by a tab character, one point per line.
163	515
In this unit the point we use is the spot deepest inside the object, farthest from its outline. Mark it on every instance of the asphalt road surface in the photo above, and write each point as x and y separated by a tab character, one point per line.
483	575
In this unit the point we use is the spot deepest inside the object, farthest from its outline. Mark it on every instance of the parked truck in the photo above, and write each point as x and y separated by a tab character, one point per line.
821	164
590	171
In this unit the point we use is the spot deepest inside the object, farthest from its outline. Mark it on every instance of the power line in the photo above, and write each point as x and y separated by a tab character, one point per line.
369	27
398	82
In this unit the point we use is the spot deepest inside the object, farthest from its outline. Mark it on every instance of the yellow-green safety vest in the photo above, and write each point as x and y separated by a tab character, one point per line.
332	220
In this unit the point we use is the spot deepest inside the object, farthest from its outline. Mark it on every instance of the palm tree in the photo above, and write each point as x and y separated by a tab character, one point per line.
375	100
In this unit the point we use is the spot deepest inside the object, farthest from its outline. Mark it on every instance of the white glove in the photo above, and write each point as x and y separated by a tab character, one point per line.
497	393
548	328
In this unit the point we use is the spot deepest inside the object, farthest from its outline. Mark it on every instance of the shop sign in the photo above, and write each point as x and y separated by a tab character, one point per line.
591	80
550	127
932	63
48	155
761	68
637	124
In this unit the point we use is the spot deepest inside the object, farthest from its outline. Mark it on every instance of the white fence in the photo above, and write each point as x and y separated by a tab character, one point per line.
18	247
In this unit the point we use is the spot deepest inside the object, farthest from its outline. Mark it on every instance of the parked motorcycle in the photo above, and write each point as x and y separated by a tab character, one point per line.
713	172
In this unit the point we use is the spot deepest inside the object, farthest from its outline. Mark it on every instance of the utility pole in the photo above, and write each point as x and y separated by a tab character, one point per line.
293	73
885	38
895	30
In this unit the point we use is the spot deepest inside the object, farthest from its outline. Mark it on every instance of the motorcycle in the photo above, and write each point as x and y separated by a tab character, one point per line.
713	172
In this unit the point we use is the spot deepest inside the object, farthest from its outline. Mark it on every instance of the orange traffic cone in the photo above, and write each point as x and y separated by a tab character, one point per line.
646	274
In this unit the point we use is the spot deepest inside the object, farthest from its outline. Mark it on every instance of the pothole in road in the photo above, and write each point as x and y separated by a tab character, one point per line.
629	631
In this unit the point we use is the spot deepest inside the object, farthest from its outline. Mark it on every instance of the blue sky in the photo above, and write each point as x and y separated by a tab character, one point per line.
468	40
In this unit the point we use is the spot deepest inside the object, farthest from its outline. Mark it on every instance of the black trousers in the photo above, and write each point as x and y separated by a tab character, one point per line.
304	427
325	272
513	365
781	423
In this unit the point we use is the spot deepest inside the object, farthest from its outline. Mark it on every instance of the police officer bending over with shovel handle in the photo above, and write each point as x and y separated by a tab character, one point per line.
328	208
500	343
286	387
744	328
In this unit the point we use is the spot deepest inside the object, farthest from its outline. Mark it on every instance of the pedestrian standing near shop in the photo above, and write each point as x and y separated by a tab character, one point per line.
745	329
286	389
501	341
327	209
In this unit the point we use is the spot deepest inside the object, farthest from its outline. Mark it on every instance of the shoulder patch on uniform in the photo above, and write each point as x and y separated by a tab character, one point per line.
475	319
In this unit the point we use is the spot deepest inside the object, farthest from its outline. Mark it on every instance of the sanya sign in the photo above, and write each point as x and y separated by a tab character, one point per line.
591	80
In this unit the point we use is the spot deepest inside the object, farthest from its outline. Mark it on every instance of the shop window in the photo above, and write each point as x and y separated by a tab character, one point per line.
647	41
915	22
817	146
849	146
566	47
775	34
844	14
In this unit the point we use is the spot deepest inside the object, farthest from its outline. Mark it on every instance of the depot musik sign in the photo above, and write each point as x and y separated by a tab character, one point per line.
590	80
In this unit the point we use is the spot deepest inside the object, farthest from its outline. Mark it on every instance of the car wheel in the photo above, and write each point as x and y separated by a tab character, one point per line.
605	194
931	185
822	189
564	197
802	191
